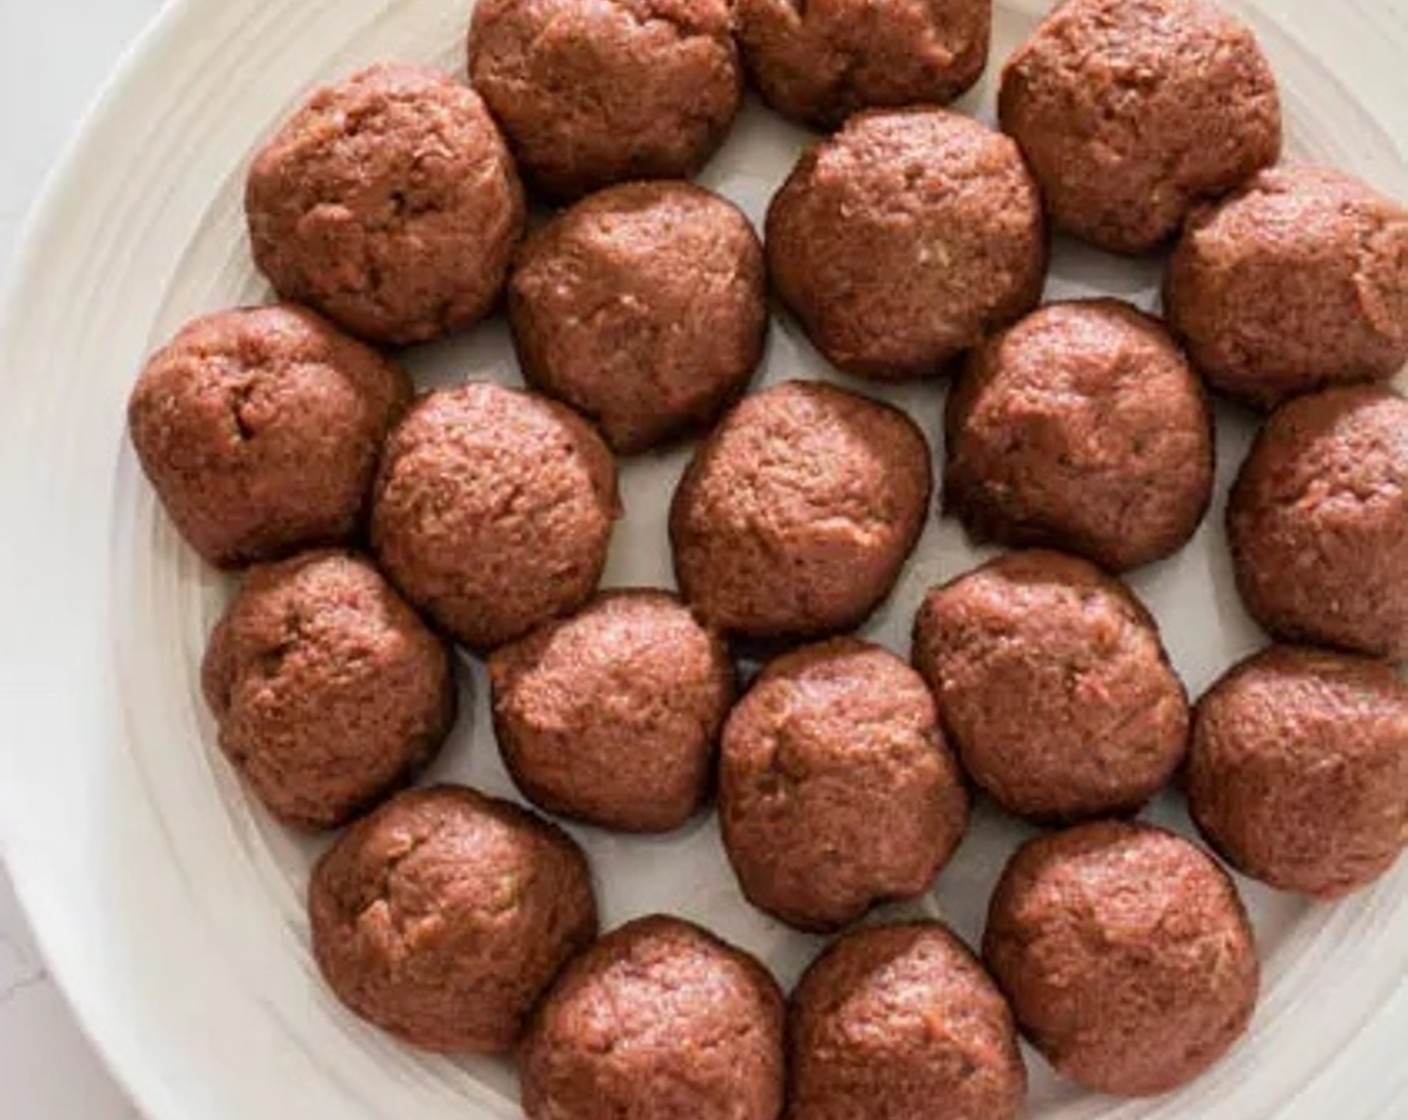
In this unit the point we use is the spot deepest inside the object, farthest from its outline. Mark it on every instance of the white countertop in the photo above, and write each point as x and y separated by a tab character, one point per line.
54	56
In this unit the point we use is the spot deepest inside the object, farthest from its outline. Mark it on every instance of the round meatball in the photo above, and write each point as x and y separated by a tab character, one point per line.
1297	282
1081	428
901	240
1298	773
493	511
389	203
1318	522
830	740
260	429
658	1020
795	517
1053	685
901	1022
1132	111
819	63
328	690
594	92
445	914
1126	955
643	307
611	716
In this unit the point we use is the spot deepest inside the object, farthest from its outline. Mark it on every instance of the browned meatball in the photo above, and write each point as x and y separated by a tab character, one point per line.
1082	428
901	240
659	1020
795	517
643	307
1318	522
836	788
493	511
1126	955
1053	686
1299	769
260	429
611	716
1296	282
901	1023
389	202
443	915
820	62
328	690
1132	111
594	92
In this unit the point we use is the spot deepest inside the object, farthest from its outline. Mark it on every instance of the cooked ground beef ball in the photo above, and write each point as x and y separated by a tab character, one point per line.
836	788
1081	428
1296	282
260	428
1318	522
1126	955
328	690
795	517
611	716
1132	111
594	92
389	202
901	1023
643	307
1299	769
901	240
493	511
1053	686
819	63
443	915
659	1020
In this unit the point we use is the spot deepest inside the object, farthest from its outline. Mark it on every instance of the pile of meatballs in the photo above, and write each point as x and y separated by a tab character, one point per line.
376	527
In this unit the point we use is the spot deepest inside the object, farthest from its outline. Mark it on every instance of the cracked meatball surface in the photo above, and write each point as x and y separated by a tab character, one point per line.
1132	111
1318	522
829	741
796	516
443	915
259	429
919	193
328	690
659	1020
1082	428
595	92
493	510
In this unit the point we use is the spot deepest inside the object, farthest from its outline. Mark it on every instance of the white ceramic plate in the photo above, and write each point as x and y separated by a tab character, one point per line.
170	908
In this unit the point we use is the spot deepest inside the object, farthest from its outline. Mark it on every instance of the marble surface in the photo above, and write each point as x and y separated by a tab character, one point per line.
54	56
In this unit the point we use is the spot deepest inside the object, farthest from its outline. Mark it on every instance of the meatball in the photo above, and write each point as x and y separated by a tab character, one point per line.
389	203
901	1022
1297	282
795	517
1080	428
611	716
830	740
819	63
1132	111
260	429
643	307
1299	769
328	690
1318	522
901	240
1125	953
443	916
493	511
658	1020
1053	686
594	92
